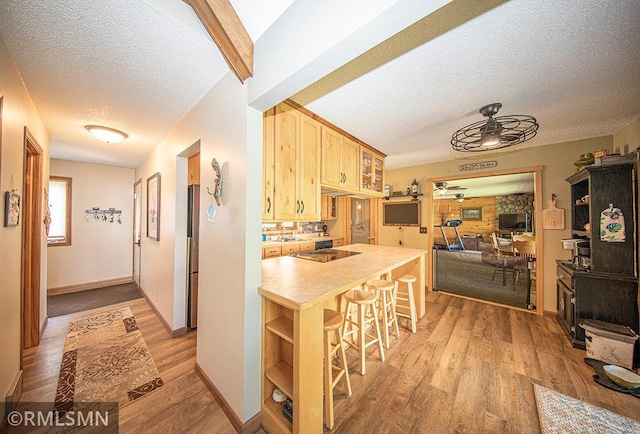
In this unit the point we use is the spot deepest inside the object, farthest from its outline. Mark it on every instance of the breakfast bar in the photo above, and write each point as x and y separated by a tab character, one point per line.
295	291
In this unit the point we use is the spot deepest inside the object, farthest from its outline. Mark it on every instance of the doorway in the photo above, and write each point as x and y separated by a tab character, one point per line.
137	225
484	265
361	221
31	241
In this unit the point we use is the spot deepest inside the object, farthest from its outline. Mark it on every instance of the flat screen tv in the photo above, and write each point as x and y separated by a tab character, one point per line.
401	213
514	222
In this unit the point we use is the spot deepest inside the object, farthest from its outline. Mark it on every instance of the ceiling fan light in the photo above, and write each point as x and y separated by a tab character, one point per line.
460	197
106	134
441	188
494	133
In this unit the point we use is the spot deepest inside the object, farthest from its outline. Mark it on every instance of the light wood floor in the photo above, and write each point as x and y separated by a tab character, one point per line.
470	368
182	405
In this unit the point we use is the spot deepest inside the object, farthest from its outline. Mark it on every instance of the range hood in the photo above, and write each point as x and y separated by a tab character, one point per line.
336	193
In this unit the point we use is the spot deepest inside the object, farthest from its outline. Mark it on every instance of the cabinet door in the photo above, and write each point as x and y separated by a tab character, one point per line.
287	136
350	164
371	172
268	160
378	174
309	170
331	171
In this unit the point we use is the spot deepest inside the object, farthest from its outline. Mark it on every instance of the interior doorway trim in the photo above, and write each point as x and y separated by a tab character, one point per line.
31	240
537	195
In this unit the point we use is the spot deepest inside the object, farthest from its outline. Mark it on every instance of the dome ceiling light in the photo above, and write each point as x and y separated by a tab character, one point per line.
106	134
495	132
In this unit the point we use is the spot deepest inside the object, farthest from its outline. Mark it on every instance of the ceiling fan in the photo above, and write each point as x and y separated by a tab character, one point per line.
442	188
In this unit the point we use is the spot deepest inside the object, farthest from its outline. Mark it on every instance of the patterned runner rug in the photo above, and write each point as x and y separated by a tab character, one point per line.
559	413
105	360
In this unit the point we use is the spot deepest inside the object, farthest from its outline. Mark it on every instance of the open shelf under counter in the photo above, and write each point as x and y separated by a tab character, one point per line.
273	419
281	374
282	327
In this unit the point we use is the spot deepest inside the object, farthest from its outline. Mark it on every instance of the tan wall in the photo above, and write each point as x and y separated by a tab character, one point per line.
627	138
228	347
18	112
99	250
557	161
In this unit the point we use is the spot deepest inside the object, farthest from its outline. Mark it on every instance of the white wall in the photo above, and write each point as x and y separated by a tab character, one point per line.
228	351
18	112
557	161
99	250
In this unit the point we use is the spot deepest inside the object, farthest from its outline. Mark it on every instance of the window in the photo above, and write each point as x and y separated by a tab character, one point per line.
60	209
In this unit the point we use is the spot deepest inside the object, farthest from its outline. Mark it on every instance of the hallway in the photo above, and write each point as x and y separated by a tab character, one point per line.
183	404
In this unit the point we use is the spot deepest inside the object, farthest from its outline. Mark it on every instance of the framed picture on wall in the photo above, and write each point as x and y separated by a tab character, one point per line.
153	207
11	209
471	214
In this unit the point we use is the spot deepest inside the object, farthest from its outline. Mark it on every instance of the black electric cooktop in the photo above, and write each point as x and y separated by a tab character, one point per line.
324	255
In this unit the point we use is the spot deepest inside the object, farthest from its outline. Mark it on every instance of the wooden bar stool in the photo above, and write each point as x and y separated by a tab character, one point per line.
386	306
363	304
405	303
333	329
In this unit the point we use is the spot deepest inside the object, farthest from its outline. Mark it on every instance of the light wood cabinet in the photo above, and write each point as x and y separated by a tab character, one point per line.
296	166
339	161
290	248
270	252
329	207
193	169
268	164
371	172
337	242
307	246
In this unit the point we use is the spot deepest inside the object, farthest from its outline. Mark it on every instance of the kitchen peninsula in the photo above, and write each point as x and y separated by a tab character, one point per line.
295	291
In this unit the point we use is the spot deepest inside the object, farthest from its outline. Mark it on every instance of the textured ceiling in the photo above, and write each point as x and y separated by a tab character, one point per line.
140	66
124	64
574	65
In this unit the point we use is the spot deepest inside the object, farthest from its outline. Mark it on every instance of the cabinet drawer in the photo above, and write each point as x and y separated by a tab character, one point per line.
269	252
338	242
307	246
290	248
564	277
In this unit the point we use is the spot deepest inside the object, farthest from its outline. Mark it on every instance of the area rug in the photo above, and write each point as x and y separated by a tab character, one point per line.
64	304
105	360
559	413
464	273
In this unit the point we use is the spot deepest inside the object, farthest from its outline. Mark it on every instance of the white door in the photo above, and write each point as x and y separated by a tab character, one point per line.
137	225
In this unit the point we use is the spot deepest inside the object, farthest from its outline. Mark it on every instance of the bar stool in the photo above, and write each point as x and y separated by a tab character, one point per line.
359	302
333	328
405	300
386	306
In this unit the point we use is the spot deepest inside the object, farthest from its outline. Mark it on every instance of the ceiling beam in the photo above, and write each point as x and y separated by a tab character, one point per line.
227	31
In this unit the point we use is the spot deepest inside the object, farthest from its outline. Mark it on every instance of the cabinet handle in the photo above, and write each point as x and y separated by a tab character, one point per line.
268	205
302	210
298	209
561	276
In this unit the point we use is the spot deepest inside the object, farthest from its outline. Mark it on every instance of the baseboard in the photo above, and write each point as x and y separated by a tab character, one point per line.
43	326
252	425
86	286
549	313
14	393
173	333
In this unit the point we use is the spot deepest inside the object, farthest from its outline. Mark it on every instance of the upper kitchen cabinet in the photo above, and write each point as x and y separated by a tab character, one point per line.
339	161
296	167
268	163
371	172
